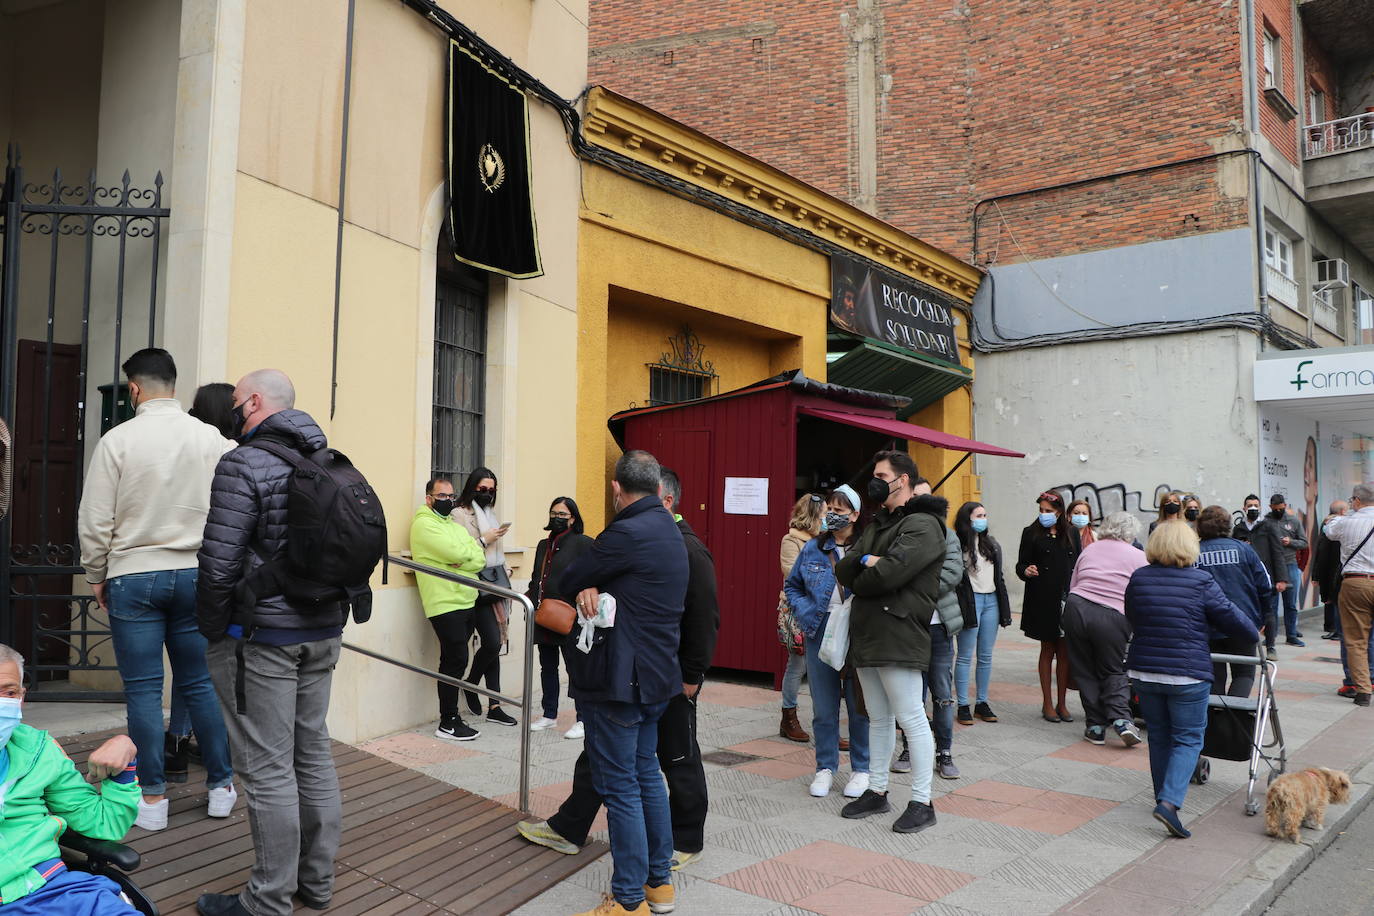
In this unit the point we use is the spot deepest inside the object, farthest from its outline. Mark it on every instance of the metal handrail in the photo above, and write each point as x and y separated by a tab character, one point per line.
527	676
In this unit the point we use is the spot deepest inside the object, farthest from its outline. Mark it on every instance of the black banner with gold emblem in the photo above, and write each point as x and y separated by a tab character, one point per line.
491	208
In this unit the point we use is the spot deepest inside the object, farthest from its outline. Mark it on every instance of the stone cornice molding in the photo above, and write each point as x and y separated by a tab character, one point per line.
620	125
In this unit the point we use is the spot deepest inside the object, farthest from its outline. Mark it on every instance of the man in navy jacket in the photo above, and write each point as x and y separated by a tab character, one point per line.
624	684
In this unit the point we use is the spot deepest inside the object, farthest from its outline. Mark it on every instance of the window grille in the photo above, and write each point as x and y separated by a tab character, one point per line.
460	367
680	373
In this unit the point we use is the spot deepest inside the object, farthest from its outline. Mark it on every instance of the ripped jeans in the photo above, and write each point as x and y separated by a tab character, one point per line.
940	680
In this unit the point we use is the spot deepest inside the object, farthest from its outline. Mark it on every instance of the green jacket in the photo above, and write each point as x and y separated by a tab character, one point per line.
952	571
44	795
889	619
445	543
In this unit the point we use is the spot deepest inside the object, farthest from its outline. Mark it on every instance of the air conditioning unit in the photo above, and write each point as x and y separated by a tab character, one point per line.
1331	274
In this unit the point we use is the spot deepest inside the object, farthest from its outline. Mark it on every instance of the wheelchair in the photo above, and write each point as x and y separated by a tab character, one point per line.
107	859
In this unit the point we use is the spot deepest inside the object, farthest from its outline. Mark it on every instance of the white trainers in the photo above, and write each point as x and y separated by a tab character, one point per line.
152	817
857	785
576	733
222	801
820	786
541	723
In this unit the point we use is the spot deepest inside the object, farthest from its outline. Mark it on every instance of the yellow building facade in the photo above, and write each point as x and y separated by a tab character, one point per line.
737	263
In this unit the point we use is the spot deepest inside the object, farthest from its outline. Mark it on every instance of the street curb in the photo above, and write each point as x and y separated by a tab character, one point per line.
1280	864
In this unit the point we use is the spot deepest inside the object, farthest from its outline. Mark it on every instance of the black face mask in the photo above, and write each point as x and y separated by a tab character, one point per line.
1191	515
443	505
1276	513
1252	513
878	490
1171	508
557	525
237	420
484	500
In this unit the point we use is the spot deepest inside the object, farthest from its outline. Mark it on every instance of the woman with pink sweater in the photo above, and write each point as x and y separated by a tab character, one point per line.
1096	629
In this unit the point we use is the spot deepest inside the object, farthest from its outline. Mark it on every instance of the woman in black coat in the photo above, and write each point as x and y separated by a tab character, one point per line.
1049	549
555	553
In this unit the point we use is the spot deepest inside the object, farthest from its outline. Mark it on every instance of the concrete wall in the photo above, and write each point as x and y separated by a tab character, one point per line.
1123	418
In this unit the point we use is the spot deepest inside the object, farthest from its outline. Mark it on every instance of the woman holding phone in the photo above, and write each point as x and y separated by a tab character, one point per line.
476	510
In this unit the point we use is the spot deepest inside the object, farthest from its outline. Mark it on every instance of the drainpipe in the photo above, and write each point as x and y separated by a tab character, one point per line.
1250	95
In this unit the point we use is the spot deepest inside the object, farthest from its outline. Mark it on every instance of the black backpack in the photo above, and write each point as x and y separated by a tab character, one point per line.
336	534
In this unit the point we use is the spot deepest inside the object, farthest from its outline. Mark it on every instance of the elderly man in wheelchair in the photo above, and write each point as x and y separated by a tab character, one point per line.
41	793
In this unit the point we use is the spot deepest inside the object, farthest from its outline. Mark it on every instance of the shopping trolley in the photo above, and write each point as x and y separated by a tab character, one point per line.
1237	729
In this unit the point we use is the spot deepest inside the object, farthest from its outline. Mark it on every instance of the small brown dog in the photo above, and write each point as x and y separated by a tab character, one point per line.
1295	798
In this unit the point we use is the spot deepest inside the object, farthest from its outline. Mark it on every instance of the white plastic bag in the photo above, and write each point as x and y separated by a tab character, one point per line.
835	643
605	617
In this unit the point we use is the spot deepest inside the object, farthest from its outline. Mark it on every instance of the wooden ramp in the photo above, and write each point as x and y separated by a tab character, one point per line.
411	844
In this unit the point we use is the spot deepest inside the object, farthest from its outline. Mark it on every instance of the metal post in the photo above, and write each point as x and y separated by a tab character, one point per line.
12	196
526	705
967	456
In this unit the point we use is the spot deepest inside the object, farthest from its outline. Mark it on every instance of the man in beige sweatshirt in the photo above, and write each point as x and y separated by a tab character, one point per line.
143	508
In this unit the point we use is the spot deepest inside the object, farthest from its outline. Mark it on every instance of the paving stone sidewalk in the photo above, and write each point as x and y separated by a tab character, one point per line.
1039	822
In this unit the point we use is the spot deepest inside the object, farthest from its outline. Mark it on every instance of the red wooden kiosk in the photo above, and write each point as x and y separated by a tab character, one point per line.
744	457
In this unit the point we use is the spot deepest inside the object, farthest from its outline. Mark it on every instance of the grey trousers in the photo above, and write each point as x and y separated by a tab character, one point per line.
1097	636
281	754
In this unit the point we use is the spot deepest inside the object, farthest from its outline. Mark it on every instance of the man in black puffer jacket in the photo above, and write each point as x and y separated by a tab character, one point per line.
280	743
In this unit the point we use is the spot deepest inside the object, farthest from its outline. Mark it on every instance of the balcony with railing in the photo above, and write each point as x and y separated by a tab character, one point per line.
1281	287
1325	311
1338	170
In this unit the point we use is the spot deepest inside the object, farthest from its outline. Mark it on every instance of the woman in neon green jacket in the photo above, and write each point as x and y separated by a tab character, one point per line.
437	539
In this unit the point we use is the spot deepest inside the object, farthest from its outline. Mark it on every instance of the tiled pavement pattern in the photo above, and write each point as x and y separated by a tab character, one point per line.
1039	822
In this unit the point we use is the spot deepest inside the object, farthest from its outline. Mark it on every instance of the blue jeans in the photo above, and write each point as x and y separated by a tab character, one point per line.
1290	601
791	679
622	746
940	680
1176	715
985	637
148	611
825	714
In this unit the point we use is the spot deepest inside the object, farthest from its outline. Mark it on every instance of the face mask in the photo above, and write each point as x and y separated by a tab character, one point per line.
836	521
878	490
1171	508
237	420
484	500
1276	513
10	715
443	505
979	524
1048	519
557	525
1252	513
1191	515
1079	521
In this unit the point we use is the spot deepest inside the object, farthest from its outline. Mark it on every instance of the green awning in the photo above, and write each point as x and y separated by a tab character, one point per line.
873	366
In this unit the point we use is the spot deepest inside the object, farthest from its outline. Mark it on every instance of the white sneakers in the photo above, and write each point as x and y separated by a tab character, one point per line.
857	785
541	723
221	801
820	786
152	817
576	733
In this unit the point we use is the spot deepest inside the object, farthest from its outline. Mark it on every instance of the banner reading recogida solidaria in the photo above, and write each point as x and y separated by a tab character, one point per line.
873	303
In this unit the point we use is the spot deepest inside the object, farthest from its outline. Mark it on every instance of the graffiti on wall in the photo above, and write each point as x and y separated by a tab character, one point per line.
1104	499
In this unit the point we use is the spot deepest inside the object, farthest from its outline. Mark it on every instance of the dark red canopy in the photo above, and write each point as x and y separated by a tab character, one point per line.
889	426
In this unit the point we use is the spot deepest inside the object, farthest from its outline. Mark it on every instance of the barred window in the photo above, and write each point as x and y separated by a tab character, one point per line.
670	386
460	367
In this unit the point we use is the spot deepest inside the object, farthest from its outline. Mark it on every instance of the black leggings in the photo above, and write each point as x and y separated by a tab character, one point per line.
486	661
1242	676
453	629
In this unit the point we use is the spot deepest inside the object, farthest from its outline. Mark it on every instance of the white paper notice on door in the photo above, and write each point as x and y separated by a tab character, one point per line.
746	496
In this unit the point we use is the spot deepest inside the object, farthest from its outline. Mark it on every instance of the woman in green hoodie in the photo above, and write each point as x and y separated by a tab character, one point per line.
437	539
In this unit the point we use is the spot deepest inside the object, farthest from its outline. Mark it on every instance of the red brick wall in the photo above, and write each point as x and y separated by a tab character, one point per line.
988	97
1276	16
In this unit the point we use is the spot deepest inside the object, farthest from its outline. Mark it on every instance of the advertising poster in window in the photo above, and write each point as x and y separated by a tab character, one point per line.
870	302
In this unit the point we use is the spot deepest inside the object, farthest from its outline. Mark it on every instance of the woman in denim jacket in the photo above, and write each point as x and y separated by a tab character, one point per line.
812	592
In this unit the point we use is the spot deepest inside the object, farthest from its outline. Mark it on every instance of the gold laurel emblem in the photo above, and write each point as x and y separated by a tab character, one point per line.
491	168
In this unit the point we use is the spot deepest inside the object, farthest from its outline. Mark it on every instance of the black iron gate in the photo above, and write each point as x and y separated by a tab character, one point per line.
77	264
